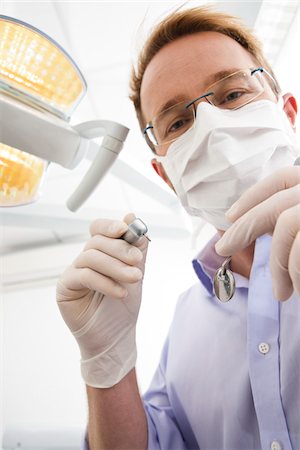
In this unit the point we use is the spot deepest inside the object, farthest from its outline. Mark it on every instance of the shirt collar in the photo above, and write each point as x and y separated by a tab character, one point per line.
208	262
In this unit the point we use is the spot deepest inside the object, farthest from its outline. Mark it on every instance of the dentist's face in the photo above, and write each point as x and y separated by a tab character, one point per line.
183	69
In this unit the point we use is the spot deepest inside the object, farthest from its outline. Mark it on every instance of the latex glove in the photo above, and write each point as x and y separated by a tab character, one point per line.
270	206
99	298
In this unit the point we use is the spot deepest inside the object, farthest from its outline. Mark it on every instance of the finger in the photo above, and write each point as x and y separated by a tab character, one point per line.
257	221
285	232
142	242
280	180
106	265
108	227
130	217
294	264
117	248
82	280
99	283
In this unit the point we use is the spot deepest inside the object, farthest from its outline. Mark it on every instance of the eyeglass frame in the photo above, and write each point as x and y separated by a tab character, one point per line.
207	94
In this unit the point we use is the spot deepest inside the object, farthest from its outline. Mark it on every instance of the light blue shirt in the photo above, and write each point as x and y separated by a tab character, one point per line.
229	375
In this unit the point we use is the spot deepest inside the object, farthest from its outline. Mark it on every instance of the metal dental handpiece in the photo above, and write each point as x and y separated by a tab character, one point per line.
136	229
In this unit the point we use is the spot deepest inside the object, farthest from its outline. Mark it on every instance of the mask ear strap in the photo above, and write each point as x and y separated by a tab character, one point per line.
280	102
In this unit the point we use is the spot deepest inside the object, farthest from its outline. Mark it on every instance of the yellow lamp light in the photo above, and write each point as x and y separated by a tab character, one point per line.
37	71
20	176
40	86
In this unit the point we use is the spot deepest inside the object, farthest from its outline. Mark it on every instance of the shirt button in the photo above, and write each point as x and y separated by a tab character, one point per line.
275	445
264	348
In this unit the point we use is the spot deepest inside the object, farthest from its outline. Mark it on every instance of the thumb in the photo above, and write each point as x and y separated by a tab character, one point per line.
142	242
129	218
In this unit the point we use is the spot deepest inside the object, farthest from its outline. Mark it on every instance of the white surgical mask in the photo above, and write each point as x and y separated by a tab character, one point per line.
226	152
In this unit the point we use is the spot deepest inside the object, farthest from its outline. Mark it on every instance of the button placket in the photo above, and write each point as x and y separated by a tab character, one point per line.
263	330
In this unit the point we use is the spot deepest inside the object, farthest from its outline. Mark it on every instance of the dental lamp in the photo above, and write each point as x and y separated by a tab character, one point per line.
40	86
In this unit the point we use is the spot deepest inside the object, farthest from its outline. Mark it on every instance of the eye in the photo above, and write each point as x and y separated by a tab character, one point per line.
177	125
231	97
174	122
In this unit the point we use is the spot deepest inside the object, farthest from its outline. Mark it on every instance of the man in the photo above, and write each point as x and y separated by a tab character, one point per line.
229	376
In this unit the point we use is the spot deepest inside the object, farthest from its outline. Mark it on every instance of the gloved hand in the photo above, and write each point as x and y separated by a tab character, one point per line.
270	206
99	298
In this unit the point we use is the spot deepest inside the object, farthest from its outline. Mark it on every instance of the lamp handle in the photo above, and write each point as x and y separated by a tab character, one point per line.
114	135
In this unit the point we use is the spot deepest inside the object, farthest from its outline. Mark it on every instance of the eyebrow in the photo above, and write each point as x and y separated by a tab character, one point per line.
208	82
219	75
171	102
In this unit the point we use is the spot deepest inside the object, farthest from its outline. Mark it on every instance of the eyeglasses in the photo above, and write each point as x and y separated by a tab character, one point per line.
231	92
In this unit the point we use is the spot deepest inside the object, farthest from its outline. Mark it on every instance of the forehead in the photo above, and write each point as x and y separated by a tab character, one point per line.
184	68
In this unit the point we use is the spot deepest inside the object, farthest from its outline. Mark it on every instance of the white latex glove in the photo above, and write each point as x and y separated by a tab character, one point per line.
270	206
99	298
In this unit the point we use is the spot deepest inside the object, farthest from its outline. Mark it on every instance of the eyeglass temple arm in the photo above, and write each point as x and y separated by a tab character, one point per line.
258	69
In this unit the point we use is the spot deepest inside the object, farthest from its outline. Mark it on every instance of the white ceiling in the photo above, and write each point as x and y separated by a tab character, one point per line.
103	38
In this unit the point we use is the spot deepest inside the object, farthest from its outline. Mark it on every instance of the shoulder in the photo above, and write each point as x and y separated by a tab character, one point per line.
192	301
193	293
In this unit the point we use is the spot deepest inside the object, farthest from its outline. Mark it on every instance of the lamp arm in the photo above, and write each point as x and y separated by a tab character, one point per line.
114	135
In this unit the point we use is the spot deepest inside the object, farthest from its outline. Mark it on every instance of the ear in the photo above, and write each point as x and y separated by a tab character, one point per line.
157	166
290	108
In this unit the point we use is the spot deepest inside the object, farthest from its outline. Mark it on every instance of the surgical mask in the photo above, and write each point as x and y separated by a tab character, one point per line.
226	152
